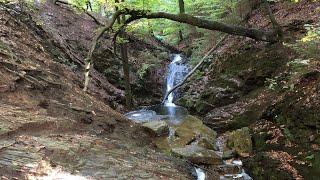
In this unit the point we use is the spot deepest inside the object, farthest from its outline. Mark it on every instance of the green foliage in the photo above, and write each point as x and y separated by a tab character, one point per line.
165	29
143	70
310	157
298	65
272	83
309	45
197	75
288	134
150	61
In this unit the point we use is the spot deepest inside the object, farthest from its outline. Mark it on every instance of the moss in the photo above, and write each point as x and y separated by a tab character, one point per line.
240	140
246	118
261	167
259	141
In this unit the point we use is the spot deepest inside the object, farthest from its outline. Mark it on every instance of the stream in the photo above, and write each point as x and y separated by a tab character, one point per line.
174	114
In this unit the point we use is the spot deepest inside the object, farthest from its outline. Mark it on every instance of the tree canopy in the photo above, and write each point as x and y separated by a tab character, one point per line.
135	11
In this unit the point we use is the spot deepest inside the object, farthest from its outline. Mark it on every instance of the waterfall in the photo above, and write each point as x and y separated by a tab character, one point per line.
176	71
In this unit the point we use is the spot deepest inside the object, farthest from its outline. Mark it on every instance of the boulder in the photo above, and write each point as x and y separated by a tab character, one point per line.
205	143
157	128
190	132
240	141
197	155
192	128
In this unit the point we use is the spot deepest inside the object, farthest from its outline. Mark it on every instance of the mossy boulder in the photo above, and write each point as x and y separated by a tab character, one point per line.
240	141
190	131
193	127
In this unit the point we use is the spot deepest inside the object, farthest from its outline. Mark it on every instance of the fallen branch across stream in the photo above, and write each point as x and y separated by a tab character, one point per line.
195	68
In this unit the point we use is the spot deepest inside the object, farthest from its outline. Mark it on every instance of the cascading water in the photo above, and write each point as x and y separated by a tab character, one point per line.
176	72
167	111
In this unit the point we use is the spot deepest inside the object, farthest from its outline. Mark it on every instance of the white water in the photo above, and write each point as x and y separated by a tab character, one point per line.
176	72
200	174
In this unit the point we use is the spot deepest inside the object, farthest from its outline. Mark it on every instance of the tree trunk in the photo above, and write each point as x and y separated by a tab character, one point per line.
125	62
181	11
126	72
260	35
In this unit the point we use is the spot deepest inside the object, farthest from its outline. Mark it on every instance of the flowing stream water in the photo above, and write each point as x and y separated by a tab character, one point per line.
177	69
174	114
176	72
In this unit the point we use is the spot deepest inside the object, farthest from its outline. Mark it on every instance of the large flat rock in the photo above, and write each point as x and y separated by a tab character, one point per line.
198	155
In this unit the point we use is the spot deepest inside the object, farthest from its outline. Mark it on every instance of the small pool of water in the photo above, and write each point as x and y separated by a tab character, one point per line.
172	114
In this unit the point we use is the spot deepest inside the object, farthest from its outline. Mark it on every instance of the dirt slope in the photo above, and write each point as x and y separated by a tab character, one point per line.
50	128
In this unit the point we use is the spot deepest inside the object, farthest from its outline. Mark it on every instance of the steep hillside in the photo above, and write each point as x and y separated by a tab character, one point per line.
271	88
51	128
73	32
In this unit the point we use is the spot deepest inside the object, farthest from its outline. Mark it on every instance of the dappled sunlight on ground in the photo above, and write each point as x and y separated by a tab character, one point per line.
44	171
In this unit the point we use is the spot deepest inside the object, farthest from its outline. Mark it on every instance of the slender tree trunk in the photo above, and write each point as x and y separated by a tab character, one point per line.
181	11
125	62
126	71
276	26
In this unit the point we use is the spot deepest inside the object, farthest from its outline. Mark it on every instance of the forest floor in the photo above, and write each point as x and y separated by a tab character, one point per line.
51	128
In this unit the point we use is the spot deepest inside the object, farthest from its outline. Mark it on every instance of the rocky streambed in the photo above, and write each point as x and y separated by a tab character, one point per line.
188	138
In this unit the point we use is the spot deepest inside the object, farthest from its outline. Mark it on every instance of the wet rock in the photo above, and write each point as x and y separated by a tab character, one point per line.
157	128
197	155
228	154
240	141
229	169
